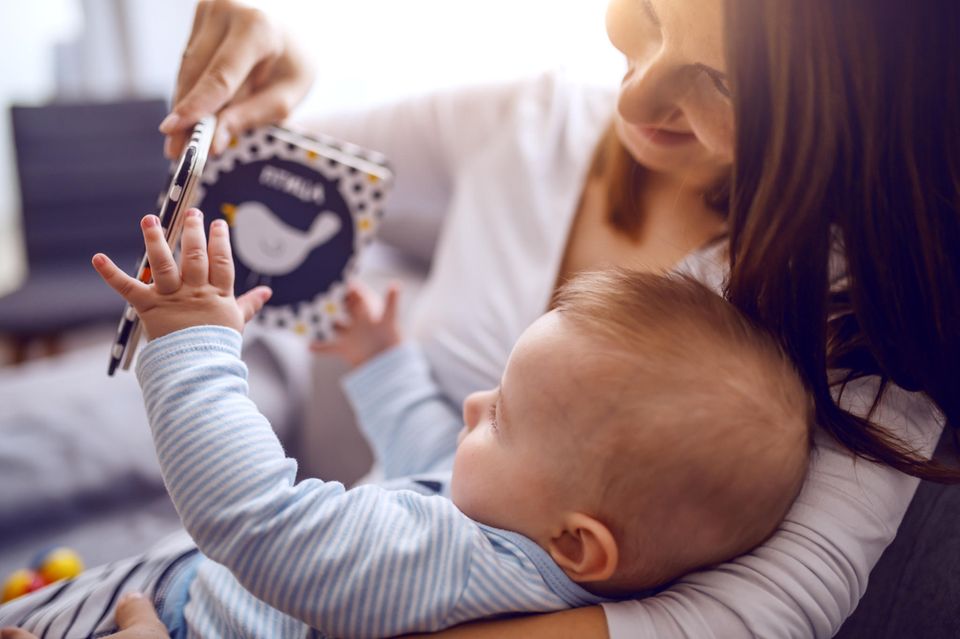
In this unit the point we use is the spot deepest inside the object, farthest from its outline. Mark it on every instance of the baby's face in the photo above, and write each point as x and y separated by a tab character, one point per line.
511	456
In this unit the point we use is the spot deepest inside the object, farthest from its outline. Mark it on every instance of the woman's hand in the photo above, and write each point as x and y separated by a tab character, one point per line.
197	292
135	617
371	330
238	64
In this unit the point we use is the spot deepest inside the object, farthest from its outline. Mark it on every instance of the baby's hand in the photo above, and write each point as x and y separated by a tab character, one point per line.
371	330
198	292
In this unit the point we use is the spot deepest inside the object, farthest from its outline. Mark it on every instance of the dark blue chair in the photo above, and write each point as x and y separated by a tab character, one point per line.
87	173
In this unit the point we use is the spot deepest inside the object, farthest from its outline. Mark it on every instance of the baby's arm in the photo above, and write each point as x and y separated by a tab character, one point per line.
359	563
365	562
410	424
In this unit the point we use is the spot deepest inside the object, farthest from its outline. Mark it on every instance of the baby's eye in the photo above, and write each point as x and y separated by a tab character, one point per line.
493	416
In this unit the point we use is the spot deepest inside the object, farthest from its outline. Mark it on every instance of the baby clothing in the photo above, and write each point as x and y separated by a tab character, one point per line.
287	559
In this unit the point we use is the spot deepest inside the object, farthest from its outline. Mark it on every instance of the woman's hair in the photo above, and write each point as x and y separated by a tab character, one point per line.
848	143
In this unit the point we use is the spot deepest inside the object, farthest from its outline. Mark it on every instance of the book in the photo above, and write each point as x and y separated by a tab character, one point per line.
300	209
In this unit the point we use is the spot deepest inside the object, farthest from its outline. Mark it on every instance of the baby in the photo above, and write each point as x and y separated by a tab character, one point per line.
642	429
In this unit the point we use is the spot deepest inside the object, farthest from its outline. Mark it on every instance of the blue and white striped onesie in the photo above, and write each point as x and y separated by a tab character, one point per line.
287	559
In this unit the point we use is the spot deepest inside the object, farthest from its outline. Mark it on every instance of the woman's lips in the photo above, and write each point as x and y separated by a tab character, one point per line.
663	137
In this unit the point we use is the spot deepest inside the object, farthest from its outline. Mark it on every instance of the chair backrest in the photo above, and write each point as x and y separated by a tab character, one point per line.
87	173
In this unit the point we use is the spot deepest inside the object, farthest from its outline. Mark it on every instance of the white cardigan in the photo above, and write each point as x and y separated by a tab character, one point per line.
499	171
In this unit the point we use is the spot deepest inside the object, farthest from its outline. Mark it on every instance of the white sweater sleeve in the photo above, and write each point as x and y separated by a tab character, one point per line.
808	578
427	140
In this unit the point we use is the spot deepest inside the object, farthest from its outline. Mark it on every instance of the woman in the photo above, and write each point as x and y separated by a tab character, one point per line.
833	160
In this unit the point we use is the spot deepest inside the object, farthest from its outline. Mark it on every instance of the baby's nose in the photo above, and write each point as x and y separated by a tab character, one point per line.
472	409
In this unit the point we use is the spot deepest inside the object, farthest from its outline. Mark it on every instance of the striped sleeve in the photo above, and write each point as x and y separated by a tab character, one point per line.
410	424
360	563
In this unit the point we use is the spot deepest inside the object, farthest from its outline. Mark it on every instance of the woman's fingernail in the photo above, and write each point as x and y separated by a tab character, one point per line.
194	213
169	123
222	141
131	596
99	259
151	221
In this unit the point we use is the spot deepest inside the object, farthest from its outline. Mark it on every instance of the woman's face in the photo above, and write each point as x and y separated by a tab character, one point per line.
674	110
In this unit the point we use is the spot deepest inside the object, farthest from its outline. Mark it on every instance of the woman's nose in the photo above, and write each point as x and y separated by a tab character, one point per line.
649	93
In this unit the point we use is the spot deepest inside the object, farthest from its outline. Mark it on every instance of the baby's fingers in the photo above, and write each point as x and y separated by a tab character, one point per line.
221	257
163	268
134	292
323	347
252	301
391	305
193	250
360	302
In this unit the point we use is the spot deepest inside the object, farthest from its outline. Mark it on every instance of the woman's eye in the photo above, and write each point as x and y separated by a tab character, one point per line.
717	79
720	84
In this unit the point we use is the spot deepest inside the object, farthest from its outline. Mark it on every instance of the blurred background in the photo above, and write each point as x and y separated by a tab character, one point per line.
121	56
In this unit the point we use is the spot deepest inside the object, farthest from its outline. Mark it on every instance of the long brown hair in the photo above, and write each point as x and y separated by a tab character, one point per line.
848	137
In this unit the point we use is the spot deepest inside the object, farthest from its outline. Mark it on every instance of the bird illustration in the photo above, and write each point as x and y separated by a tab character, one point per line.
268	245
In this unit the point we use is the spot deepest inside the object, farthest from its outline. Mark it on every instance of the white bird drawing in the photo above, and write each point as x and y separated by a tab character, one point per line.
269	246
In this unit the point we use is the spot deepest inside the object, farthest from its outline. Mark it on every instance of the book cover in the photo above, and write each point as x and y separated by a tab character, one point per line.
300	211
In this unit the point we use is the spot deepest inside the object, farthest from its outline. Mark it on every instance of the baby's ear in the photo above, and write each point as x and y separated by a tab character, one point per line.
585	549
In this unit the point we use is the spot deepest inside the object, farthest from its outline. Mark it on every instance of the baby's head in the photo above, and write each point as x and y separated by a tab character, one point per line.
641	430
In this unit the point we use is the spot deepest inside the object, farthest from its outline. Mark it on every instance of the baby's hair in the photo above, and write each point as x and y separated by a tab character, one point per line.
692	377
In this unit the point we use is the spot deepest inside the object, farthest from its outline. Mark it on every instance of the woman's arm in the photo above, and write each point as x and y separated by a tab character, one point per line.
427	140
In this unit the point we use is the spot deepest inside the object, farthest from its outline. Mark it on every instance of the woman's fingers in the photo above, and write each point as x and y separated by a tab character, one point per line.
248	41
193	250
271	100
253	300
163	268
268	106
134	292
206	34
237	64
221	257
136	613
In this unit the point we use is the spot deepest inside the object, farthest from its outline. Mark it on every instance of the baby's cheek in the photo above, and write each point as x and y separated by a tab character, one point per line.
467	479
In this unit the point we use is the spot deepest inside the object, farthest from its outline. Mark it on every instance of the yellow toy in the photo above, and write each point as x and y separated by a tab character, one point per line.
60	563
47	567
17	584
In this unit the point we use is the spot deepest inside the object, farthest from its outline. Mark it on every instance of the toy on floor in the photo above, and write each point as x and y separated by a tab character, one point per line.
48	566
